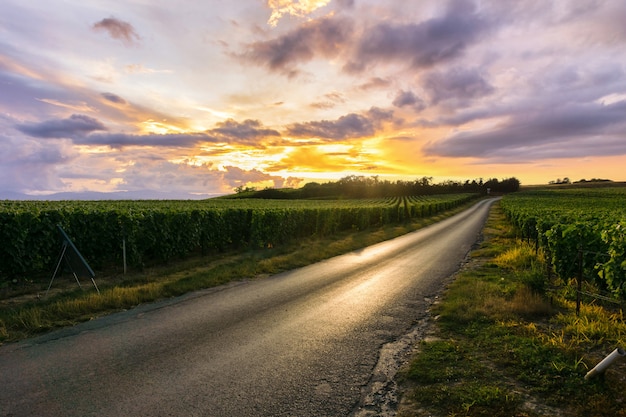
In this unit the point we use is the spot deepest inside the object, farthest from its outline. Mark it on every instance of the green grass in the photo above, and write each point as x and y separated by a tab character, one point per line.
501	347
34	313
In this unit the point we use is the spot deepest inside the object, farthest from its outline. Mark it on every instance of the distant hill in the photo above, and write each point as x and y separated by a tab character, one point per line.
118	195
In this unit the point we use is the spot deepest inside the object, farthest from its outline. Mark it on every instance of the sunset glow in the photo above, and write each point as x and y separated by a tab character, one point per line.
204	97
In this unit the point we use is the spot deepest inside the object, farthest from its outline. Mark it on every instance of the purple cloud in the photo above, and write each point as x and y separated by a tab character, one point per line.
345	4
117	29
422	44
345	127
571	130
325	37
247	131
20	157
75	125
408	98
235	176
120	140
113	98
458	84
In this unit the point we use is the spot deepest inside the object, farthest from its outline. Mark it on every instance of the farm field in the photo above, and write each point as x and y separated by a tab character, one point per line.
27	309
153	232
506	338
580	229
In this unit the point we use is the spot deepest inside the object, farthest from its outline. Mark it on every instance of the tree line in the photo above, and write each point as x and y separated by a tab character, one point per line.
354	186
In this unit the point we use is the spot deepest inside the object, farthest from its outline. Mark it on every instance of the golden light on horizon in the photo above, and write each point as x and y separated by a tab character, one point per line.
93	149
160	128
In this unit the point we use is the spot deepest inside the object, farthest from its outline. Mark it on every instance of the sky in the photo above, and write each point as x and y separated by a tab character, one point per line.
202	97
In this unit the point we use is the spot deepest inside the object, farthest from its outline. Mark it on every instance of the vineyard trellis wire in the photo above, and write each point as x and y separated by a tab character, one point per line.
158	231
580	230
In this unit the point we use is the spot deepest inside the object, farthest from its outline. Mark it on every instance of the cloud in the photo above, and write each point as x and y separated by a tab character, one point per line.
423	44
27	164
572	130
460	85
113	98
408	98
345	4
329	101
487	80
24	94
309	158
120	140
235	177
345	127
350	126
378	115
118	29
324	37
74	126
248	131
289	7
312	158
375	83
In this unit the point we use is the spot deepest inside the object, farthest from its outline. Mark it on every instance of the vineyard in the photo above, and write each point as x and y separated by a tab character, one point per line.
159	231
581	230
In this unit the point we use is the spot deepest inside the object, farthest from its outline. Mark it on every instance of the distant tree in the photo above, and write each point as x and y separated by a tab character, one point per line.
592	180
354	186
242	189
565	180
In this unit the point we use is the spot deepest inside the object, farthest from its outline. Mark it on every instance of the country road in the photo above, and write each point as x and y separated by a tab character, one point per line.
300	343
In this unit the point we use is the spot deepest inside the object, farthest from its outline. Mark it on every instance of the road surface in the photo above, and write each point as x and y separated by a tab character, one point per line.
300	343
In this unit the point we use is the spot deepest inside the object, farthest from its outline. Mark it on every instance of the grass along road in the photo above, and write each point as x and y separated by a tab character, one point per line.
501	344
497	345
26	312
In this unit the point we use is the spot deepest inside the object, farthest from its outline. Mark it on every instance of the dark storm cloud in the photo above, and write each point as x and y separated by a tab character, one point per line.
324	37
117	29
458	84
571	130
75	125
346	127
422	44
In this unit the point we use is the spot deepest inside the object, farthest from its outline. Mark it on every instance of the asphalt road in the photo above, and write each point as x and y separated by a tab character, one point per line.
300	343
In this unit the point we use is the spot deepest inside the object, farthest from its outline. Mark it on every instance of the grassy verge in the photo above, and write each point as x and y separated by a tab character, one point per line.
501	344
32	313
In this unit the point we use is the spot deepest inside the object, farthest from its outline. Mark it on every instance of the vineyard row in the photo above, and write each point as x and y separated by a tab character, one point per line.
158	231
575	224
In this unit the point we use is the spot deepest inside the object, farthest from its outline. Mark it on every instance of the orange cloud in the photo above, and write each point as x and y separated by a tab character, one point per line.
312	159
299	8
